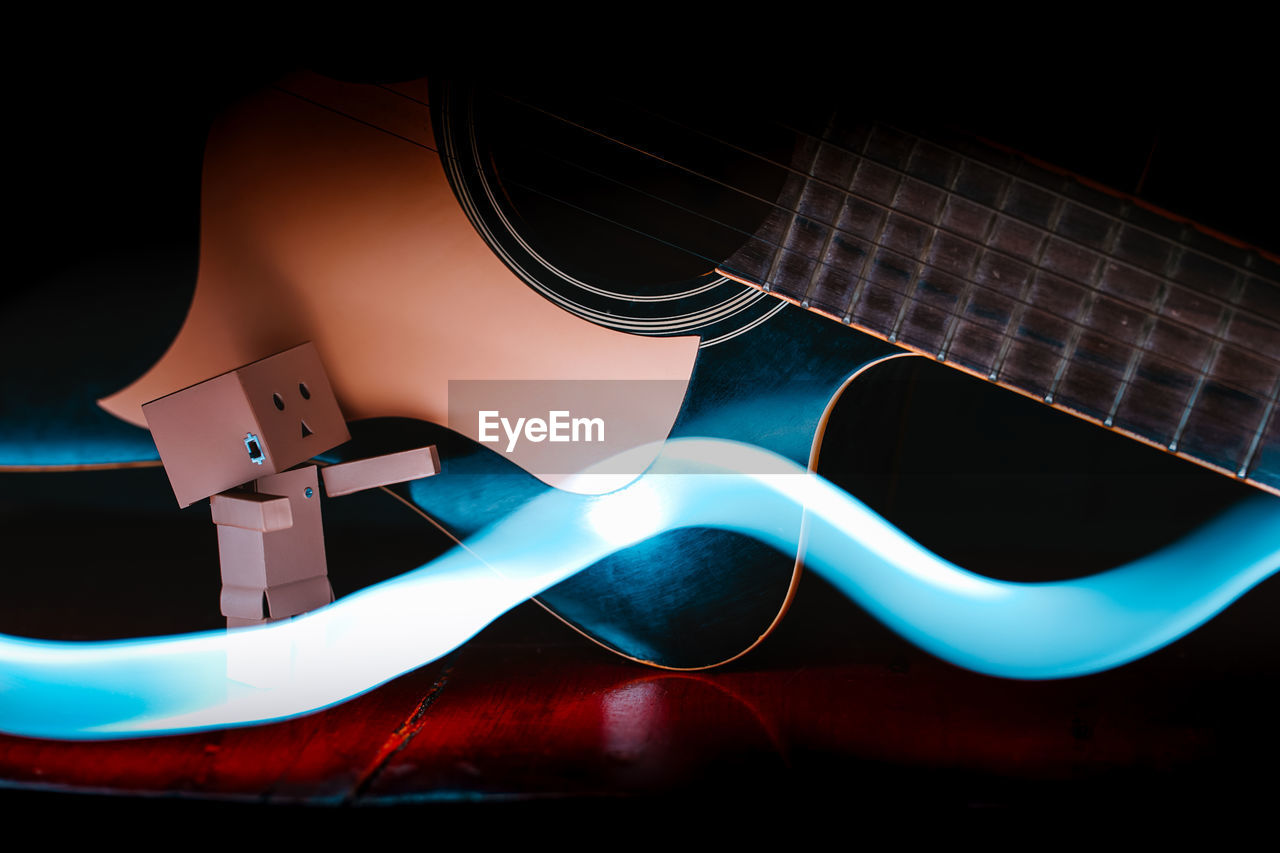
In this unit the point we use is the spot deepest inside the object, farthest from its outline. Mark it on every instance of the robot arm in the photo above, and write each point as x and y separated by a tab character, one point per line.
360	474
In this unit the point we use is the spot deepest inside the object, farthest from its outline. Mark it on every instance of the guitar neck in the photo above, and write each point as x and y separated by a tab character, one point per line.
1087	300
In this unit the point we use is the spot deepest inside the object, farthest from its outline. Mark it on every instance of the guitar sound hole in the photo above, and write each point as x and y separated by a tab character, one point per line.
627	188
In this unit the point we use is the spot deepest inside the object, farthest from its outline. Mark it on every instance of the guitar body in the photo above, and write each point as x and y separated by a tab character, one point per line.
757	371
299	202
695	597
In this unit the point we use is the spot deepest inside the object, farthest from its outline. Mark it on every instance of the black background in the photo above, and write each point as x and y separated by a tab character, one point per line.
103	160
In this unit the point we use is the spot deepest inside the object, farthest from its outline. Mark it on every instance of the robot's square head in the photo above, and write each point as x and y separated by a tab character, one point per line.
256	420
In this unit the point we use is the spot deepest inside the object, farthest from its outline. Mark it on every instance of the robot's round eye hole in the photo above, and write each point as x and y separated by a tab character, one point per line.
304	390
278	400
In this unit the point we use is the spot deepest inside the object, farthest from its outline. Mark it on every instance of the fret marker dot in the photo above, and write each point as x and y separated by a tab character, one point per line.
845	320
1107	422
1048	398
804	304
1173	446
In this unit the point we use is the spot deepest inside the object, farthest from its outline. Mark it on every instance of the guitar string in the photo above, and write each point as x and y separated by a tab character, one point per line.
690	318
981	248
1012	177
1065	357
1123	386
887	210
690	321
616	141
387	88
1120	387
800	173
1088	288
693	253
354	118
954	315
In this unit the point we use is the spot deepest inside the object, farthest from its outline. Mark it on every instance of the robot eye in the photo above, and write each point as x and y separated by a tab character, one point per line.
278	400
304	390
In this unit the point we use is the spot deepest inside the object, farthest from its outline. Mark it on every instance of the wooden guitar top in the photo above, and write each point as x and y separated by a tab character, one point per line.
326	216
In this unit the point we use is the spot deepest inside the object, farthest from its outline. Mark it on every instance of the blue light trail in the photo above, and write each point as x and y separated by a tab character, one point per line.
1018	630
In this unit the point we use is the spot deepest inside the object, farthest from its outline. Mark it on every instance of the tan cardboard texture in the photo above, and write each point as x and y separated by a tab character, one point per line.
256	420
264	559
233	439
251	511
348	477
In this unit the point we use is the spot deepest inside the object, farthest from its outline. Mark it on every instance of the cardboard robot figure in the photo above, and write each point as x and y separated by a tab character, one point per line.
240	439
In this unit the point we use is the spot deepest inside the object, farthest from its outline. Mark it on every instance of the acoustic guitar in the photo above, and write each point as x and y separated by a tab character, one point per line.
417	235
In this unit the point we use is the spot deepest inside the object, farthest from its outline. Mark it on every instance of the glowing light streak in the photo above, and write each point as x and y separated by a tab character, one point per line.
1046	630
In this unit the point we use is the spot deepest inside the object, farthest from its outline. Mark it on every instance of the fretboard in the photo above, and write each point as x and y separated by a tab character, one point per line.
1037	281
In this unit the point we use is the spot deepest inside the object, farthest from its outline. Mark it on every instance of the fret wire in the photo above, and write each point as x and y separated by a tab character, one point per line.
1012	176
1137	228
1020	305
1224	320
924	253
846	316
1124	384
911	285
1147	328
971	272
1262	423
1257	436
862	279
1271	402
1166	277
817	267
1224	323
1019	301
831	232
1059	198
791	225
1086	306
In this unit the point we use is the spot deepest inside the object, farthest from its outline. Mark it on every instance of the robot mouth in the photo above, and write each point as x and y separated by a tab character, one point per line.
306	430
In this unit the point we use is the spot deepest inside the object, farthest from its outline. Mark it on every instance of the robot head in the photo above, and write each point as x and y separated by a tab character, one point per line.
256	420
